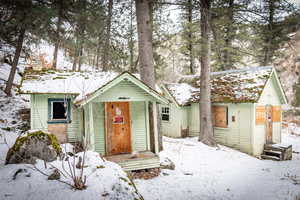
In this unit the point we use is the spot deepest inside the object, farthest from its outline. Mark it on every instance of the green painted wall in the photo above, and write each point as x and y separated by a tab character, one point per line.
172	128
99	127
39	115
138	126
194	119
238	133
124	89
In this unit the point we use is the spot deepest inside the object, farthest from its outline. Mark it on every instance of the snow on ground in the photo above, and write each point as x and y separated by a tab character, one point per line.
105	180
4	74
203	172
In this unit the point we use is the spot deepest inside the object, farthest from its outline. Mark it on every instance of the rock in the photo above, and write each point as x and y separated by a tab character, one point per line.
19	172
167	164
145	174
36	145
54	176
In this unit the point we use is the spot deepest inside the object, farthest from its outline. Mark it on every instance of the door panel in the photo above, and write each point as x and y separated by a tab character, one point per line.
269	124
118	129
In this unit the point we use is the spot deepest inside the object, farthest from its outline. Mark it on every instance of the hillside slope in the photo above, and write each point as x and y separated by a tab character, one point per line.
288	65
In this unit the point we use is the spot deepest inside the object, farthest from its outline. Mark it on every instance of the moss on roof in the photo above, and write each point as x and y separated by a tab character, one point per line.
234	86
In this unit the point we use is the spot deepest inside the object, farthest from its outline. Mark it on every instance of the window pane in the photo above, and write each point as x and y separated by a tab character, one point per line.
165	117
59	110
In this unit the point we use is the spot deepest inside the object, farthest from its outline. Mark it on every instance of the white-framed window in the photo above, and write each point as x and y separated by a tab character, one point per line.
59	110
165	114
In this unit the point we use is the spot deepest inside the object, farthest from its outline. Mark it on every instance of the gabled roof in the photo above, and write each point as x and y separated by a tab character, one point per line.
180	92
234	86
124	76
82	84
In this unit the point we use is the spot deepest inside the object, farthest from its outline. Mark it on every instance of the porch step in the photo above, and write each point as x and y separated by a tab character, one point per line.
267	157
273	147
272	153
145	160
277	152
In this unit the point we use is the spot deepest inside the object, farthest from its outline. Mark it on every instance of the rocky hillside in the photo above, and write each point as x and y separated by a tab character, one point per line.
288	67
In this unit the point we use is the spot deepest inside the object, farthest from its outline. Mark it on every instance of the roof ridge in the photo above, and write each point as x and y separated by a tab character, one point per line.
242	70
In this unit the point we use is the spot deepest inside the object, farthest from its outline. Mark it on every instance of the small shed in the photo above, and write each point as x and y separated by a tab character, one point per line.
107	111
246	108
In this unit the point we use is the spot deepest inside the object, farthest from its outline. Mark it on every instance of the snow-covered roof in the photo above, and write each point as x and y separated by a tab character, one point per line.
64	82
82	84
237	86
181	92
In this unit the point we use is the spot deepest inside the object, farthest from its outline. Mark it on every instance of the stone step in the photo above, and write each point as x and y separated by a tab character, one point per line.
267	157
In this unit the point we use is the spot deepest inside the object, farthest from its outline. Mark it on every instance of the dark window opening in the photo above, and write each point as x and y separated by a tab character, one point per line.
165	114
59	110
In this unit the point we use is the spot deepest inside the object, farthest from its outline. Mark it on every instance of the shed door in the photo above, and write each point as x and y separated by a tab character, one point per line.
118	133
269	124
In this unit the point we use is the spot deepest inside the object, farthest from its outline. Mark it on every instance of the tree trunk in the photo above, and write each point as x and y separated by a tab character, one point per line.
268	50
80	58
57	38
106	52
206	128
144	25
190	36
131	44
75	59
145	42
15	62
228	62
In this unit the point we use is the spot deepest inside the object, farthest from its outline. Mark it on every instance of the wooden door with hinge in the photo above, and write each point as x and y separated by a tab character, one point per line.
269	124
118	128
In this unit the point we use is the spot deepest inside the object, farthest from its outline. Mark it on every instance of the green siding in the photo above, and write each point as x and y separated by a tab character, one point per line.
138	126
39	115
124	89
99	124
39	112
238	133
172	128
194	118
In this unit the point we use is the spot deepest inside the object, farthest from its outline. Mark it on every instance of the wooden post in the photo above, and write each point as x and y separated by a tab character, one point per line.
155	127
147	126
91	126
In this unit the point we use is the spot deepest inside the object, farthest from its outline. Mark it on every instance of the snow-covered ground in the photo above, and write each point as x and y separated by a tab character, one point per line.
203	172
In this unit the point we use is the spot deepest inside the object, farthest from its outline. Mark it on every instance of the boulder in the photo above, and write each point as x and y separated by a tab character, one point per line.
54	176
35	145
166	163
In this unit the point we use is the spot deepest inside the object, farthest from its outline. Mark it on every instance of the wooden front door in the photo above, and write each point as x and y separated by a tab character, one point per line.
269	124
118	129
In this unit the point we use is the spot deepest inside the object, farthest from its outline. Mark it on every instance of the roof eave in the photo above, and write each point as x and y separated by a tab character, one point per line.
118	79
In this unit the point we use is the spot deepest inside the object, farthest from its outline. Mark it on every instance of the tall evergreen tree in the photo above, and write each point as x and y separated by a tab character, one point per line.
206	127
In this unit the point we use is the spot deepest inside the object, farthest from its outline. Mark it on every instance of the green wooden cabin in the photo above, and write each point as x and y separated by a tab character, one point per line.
107	111
246	108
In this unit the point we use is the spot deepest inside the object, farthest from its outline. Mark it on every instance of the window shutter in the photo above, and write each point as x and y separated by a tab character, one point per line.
220	116
276	113
260	115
